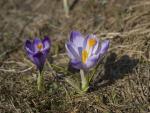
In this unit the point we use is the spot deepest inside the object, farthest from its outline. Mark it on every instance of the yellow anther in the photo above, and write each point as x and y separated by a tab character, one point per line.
40	46
91	42
84	56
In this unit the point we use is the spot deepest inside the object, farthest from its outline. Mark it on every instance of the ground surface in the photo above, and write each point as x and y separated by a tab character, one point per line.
122	84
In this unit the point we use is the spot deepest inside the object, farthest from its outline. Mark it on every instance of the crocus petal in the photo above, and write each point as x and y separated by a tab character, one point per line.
72	51
104	46
29	46
86	40
46	42
92	61
35	43
91	49
39	60
96	47
80	51
76	38
76	64
45	53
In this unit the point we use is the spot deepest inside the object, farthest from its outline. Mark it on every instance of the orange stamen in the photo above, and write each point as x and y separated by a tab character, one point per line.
40	46
91	42
84	56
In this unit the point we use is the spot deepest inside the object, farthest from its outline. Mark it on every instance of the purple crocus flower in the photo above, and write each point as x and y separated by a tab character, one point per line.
37	51
85	52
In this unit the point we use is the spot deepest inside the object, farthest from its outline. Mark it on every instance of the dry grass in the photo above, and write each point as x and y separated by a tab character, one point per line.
122	81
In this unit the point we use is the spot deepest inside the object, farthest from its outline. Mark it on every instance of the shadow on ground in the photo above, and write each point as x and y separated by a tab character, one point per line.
116	69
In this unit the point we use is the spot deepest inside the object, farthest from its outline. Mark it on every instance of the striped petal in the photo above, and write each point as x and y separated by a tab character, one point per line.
35	43
72	51
95	48
46	42
76	64
104	47
29	47
92	61
86	40
39	60
76	38
91	44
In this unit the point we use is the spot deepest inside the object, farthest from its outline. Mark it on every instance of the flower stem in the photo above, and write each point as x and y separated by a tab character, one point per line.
40	82
66	8
84	81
